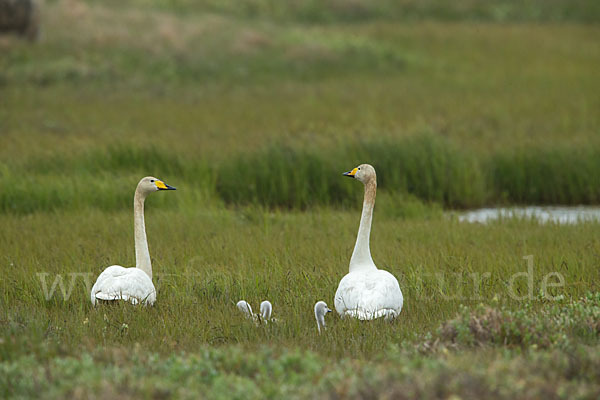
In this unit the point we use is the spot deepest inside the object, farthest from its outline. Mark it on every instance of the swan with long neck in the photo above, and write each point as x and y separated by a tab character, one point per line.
367	292
132	284
320	310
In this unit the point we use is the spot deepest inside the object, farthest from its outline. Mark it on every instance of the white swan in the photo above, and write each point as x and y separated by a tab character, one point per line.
266	310
320	310
245	307
367	292
132	284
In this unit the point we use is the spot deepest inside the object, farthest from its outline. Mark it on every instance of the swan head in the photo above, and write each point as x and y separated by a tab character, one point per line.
320	310
244	307
364	173
151	184
266	309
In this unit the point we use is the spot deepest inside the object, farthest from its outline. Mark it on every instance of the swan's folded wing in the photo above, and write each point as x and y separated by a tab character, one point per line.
129	284
368	295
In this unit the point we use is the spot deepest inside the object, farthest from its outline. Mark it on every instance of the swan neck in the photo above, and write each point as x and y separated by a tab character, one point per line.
361	256
320	321
266	312
142	255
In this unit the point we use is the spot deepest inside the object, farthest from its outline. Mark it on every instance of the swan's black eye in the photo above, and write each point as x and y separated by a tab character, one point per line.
359	168
152	180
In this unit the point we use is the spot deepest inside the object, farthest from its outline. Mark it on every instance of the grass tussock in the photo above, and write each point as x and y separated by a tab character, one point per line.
281	177
219	373
427	168
555	325
549	370
547	175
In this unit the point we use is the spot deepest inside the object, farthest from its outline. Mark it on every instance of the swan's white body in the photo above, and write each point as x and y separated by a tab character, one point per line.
366	292
369	294
120	283
132	284
320	310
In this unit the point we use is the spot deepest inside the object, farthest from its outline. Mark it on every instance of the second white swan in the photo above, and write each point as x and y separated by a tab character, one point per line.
266	310
367	292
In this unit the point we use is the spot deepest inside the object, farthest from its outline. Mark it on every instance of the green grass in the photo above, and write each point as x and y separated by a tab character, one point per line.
206	260
211	86
561	341
333	11
235	374
427	167
253	112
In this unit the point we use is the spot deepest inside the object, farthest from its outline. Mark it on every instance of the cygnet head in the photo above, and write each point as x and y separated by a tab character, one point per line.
266	309
244	307
320	310
364	173
151	184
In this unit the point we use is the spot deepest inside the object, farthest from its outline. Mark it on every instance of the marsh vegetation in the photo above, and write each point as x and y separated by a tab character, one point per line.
253	113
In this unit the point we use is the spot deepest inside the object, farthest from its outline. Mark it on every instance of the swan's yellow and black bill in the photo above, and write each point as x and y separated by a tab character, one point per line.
163	186
351	173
